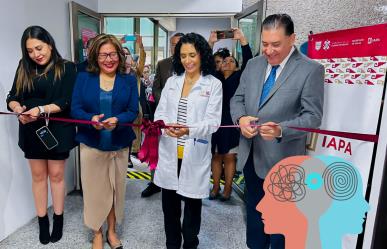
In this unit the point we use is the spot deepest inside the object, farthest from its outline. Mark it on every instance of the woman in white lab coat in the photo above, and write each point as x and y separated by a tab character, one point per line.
192	99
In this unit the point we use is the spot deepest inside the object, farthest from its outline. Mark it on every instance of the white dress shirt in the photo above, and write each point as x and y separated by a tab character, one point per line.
281	66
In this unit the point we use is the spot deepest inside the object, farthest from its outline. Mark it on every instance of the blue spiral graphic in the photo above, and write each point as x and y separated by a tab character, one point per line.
340	181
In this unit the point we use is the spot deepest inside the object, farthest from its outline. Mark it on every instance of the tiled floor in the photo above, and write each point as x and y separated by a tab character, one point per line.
223	224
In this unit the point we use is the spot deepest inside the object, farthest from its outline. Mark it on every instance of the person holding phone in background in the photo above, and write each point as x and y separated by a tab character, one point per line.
221	53
225	141
43	84
107	95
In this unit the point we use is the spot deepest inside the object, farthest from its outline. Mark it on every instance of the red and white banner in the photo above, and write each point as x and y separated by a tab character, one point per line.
355	62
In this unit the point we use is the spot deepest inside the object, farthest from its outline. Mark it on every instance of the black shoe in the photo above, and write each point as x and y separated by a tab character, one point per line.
44	229
57	230
119	246
150	190
225	198
213	195
130	163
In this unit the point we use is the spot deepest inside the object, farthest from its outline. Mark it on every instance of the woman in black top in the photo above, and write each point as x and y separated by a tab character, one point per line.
43	84
225	141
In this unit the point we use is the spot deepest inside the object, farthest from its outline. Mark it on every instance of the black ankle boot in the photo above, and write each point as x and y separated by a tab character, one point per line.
57	229
44	229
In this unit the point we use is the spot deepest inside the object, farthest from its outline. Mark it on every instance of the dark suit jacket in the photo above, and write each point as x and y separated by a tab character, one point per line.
164	70
86	103
296	99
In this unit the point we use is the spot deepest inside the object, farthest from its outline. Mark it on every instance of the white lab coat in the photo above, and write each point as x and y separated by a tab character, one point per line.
204	111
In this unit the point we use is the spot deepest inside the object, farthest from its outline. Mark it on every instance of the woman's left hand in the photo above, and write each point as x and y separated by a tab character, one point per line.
110	123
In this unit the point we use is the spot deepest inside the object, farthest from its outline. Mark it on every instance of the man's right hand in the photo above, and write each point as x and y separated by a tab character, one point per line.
245	125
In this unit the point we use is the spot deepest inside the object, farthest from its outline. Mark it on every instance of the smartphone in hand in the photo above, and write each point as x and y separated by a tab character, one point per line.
130	38
225	34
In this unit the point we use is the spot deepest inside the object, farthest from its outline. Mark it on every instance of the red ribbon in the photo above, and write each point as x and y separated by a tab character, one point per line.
152	130
149	151
350	135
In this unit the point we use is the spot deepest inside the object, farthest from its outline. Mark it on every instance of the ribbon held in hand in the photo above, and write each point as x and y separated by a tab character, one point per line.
149	151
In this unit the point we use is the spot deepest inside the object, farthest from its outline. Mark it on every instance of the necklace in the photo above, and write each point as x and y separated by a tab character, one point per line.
190	81
106	84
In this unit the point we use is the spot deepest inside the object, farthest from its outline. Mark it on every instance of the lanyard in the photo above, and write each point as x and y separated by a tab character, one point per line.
47	115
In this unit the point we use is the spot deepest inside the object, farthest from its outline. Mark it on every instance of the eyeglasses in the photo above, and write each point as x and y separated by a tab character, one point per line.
112	55
228	61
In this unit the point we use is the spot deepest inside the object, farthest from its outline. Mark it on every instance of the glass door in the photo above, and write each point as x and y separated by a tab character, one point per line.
85	24
248	25
249	21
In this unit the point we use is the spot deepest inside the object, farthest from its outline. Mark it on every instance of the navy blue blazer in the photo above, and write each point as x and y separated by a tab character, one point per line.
86	103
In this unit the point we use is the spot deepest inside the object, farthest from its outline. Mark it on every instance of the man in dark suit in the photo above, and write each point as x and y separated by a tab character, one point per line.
277	90
164	70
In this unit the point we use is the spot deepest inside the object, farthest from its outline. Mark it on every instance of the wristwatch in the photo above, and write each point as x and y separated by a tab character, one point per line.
41	109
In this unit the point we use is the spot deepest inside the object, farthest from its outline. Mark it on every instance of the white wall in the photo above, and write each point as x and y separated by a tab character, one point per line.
204	26
326	15
16	202
167	22
169	6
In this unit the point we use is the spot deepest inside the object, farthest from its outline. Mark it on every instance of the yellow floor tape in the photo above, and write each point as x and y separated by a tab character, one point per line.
141	175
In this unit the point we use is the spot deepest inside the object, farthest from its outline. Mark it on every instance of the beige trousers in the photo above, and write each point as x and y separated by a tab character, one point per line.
103	175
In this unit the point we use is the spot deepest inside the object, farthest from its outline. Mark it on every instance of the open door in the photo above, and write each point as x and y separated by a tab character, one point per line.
250	22
85	24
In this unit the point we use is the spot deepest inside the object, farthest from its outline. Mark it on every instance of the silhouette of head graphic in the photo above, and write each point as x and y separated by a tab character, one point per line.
313	201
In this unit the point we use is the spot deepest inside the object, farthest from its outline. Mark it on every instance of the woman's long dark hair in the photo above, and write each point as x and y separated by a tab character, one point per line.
27	67
207	62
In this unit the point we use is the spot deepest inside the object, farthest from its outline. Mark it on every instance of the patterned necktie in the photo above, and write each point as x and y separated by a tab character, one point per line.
268	85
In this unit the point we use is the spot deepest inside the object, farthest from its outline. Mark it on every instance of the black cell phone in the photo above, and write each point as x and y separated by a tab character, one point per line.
47	138
224	34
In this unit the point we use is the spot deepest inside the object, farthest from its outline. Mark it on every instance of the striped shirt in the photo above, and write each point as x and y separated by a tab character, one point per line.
181	119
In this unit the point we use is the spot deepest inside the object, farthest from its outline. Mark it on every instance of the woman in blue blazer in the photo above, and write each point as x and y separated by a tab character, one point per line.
106	95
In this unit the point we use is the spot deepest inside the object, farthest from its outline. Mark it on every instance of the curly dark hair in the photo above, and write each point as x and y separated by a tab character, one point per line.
207	62
223	53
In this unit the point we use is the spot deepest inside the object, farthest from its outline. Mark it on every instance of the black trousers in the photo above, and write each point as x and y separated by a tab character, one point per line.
171	202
